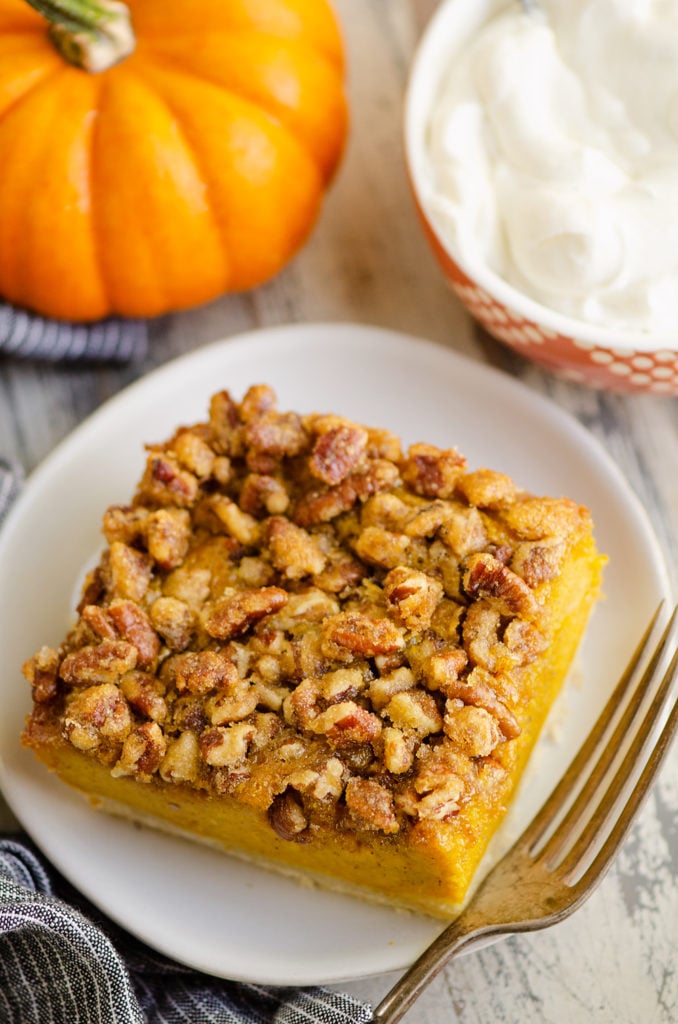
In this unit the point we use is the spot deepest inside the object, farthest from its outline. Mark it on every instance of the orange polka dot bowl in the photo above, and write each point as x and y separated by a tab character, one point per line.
588	354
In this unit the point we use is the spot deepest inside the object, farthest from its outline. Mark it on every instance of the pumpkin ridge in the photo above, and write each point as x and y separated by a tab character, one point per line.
93	178
169	66
160	282
172	72
294	117
199	164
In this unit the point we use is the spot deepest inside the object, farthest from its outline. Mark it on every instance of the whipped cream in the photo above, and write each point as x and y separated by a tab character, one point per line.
553	149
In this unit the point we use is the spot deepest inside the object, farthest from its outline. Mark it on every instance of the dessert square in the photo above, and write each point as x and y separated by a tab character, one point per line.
314	649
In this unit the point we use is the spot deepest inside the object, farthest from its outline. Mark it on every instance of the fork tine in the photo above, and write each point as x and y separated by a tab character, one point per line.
607	803
554	804
612	745
601	862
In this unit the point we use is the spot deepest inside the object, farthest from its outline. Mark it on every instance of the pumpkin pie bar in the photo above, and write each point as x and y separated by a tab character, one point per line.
317	650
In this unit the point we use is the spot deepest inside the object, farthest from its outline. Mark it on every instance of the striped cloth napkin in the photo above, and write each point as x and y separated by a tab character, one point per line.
24	335
63	962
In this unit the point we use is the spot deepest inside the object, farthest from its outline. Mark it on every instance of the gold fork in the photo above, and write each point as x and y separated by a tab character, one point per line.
565	851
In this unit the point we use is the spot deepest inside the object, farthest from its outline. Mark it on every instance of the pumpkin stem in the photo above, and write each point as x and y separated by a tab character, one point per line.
91	34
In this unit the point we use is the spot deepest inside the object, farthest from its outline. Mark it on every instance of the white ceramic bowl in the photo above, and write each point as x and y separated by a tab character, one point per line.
597	356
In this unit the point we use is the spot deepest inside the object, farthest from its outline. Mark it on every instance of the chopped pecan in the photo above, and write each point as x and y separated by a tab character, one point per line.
232	704
168	536
145	693
523	641
443	802
99	621
225	746
371	806
258	399
277	434
464	531
337	453
235	613
181	763
130	571
323	506
142	752
301	706
432	472
224	422
240	525
384	687
165	482
98	663
383	444
174	621
416	711
343	684
96	714
538	561
352	633
263	495
345	723
476	689
485	488
413	596
340	575
443	668
474	730
42	671
386	510
487	577
200	672
188	584
125	523
378	546
134	626
194	453
295	553
428	519
397	750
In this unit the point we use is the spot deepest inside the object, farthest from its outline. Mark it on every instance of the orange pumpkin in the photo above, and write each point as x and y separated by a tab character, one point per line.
194	167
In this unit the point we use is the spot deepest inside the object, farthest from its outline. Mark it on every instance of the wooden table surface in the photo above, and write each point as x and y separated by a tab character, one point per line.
616	960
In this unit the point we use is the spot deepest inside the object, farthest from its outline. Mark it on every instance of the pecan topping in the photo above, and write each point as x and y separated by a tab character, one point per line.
371	806
100	663
294	552
133	625
42	671
337	453
293	613
234	614
485	488
413	596
142	752
354	633
432	472
166	483
168	536
487	577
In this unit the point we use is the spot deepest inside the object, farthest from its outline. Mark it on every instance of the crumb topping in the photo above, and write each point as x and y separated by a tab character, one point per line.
295	611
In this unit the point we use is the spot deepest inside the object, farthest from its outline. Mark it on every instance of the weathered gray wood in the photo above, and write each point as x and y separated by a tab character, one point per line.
616	960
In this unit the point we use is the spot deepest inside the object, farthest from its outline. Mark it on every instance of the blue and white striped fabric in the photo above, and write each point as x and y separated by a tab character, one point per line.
24	335
61	962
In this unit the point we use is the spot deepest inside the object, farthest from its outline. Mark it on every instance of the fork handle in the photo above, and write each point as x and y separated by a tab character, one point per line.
457	936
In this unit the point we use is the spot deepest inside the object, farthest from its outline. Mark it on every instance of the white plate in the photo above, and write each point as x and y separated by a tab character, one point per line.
200	907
